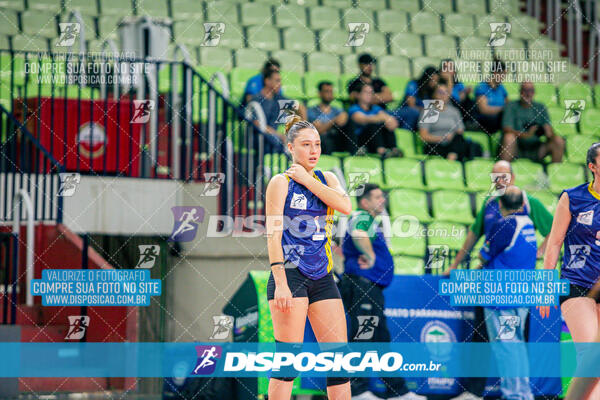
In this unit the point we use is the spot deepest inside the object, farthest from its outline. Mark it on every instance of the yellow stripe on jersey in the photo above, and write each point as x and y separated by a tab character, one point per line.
592	191
328	228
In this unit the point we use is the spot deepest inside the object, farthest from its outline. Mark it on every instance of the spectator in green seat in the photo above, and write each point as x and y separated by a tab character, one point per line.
459	92
490	98
382	95
412	104
441	127
330	121
524	125
255	84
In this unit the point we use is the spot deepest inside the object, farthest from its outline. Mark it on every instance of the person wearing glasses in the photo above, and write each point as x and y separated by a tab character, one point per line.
525	124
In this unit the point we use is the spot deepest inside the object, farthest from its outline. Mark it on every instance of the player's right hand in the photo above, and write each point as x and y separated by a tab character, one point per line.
283	297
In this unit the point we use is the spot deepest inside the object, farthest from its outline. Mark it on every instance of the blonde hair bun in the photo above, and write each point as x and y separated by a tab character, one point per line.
291	121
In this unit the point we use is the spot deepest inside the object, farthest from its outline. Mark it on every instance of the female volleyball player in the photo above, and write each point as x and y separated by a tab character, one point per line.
577	224
299	209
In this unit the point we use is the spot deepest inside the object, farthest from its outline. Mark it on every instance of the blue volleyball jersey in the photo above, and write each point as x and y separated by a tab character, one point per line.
308	224
581	259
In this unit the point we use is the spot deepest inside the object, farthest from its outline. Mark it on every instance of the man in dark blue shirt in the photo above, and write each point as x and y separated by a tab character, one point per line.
510	244
368	269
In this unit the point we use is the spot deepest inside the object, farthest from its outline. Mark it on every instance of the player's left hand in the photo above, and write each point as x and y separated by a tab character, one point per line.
364	262
298	173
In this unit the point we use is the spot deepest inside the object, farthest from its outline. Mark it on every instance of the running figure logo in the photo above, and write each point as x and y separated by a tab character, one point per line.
212	33
223	325
431	111
207	359
437	255
573	110
292	253
579	253
214	180
78	325
500	181
141	112
508	326
186	223
500	31
357	33
366	326
287	108
68	183
148	255
68	33
356	182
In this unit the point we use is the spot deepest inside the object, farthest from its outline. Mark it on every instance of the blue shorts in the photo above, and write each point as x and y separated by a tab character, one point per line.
301	286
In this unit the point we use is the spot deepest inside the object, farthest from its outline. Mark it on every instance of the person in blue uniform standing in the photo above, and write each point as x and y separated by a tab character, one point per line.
577	225
299	210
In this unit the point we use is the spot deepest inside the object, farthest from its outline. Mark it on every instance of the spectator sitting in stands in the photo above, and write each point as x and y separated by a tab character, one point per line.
490	99
269	98
255	84
412	104
373	128
460	93
441	127
330	121
524	123
382	93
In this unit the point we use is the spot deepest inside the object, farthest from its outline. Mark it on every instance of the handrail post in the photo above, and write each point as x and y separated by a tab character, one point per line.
212	112
23	197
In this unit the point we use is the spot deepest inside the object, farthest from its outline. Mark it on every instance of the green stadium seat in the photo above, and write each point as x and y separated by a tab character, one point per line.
238	79
539	48
547	198
232	37
4	42
256	14
290	16
328	163
546	94
476	7
338	3
510	45
441	46
375	44
397	85
305	3
291	84
446	233
289	60
28	43
576	91
334	41
577	147
504	7
250	58
573	74
272	2
404	265
482	24
405	5
438	7
513	89
475	48
323	62
392	21
12	67
452	206
50	6
312	80
443	174
479	199
372	4
459	25
345	80
528	174
403	172
406	244
215	57
186	9
406	44
370	165
274	164
565	175
358	15
263	38
393	65
425	23
350	63
222	11
116	7
564	129
524	26
18	5
299	39
420	63
477	174
405	141
590	121
39	23
409	202
9	22
107	27
325	18
482	139
153	8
